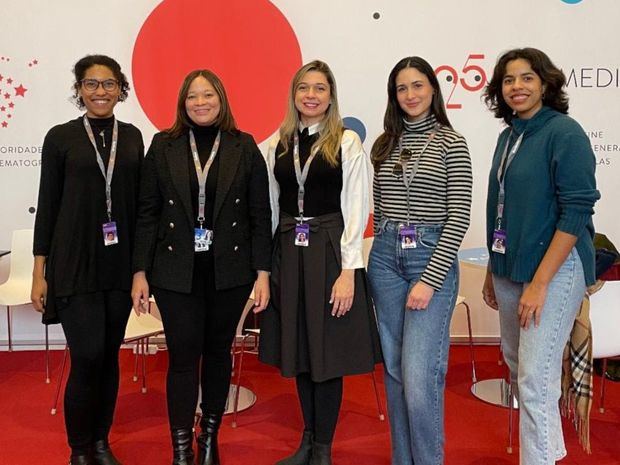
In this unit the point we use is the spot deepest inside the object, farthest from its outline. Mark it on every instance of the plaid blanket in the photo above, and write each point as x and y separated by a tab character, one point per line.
576	400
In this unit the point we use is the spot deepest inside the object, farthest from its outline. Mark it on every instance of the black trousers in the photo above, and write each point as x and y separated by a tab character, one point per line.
320	405
94	325
199	329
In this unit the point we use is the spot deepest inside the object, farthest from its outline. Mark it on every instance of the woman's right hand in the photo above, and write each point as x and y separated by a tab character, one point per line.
38	294
488	291
140	293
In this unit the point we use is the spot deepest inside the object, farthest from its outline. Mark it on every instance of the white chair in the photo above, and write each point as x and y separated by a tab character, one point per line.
605	322
139	330
16	290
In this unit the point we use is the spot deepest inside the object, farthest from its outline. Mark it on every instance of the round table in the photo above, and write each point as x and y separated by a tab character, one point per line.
494	391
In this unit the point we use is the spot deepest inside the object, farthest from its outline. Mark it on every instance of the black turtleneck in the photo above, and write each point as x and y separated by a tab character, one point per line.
323	185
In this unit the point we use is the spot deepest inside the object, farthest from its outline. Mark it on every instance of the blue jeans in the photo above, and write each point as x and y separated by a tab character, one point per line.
415	343
534	356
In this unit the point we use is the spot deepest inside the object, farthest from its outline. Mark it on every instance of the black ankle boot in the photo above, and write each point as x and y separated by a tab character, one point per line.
80	459
183	454
102	454
321	454
302	454
208	453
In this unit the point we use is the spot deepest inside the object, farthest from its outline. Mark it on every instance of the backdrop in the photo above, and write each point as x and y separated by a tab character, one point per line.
256	45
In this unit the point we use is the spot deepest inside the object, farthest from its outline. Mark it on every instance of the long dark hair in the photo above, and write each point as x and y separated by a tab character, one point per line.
551	76
83	64
393	124
225	120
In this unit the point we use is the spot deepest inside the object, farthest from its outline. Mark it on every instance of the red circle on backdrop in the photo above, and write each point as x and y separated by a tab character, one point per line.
249	44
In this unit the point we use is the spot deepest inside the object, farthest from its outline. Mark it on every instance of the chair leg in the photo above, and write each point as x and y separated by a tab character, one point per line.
236	404
500	360
60	378
471	344
135	362
510	418
145	348
379	404
8	326
47	355
602	406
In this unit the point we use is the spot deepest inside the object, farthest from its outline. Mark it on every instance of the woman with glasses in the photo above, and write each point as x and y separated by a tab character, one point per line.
83	244
540	203
422	196
205	242
321	326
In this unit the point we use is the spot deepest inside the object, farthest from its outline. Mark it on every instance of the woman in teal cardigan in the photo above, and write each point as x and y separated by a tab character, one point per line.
540	203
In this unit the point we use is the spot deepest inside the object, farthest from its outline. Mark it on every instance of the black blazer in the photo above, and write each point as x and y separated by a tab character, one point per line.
164	245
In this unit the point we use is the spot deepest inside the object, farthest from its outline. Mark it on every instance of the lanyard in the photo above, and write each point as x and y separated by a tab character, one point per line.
110	171
300	175
408	180
504	163
202	173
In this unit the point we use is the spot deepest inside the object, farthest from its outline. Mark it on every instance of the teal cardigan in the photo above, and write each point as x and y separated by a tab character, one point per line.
550	185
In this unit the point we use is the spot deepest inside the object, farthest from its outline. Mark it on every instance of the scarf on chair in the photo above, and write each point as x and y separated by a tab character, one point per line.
576	400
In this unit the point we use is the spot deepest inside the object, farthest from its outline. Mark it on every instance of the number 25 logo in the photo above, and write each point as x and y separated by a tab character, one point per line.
470	72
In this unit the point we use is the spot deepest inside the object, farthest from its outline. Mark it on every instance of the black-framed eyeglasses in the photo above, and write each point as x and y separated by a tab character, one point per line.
403	158
91	85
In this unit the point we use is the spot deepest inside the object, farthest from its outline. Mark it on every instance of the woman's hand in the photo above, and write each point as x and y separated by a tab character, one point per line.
488	291
531	304
342	293
140	293
261	291
38	294
419	296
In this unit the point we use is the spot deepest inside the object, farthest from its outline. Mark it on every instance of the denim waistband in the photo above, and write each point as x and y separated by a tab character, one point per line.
391	225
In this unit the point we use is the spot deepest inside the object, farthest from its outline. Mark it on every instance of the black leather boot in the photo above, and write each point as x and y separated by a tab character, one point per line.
102	454
183	454
321	454
208	453
302	454
81	460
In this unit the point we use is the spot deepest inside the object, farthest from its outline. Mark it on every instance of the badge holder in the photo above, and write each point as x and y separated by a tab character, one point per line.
408	237
302	235
499	237
203	238
110	233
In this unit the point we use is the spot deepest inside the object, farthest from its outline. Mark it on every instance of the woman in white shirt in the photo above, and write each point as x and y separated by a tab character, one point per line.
321	324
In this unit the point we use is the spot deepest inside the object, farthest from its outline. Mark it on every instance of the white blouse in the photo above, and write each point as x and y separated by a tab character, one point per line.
354	198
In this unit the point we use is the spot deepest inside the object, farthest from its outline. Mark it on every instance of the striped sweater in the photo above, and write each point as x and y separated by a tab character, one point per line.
439	194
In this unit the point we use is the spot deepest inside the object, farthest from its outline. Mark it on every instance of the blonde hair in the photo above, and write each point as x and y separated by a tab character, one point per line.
330	135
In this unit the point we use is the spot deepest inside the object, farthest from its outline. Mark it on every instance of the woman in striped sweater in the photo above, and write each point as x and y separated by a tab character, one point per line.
422	198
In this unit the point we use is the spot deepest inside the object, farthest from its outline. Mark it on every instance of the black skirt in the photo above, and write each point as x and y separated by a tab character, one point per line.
298	332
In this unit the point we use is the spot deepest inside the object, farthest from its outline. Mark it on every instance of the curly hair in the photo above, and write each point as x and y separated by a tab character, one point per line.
83	64
551	76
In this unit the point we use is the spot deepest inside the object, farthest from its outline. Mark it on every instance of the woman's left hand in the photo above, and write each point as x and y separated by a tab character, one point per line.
419	296
261	291
342	293
531	304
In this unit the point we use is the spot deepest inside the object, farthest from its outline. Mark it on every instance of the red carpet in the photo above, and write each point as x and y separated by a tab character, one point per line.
476	432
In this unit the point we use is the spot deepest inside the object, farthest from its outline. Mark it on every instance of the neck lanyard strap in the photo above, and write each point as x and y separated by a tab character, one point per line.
107	175
506	160
300	175
201	173
408	180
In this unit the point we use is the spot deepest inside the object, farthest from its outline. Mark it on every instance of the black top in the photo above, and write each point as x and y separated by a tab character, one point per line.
323	185
72	209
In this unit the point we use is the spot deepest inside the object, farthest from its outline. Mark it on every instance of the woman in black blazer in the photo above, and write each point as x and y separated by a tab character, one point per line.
202	249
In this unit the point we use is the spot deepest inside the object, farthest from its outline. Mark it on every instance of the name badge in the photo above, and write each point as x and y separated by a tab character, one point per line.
302	235
408	237
110	234
203	238
499	241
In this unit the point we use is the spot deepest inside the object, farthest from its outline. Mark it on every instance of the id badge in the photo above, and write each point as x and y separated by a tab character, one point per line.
499	241
408	239
110	234
203	238
302	235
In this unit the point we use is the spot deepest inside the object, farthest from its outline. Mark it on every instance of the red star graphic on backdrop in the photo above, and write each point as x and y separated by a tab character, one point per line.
8	91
